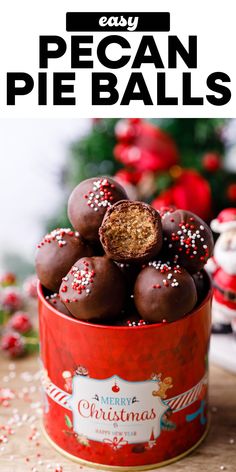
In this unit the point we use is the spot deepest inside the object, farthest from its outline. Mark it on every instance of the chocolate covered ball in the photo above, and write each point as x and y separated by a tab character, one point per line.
131	232
54	300
164	292
188	238
94	289
88	204
55	255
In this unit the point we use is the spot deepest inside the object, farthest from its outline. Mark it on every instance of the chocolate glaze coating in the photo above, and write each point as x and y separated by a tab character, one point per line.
56	254
94	289
201	281
131	243
54	300
88	203
164	292
130	272
188	238
129	313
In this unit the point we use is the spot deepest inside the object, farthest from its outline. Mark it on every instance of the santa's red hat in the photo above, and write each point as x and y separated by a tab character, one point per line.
226	220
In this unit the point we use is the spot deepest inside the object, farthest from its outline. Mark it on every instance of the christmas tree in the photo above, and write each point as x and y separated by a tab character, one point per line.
164	162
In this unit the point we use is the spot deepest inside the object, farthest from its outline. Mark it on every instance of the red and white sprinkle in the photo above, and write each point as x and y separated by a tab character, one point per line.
168	272
58	235
188	237
82	279
136	323
101	194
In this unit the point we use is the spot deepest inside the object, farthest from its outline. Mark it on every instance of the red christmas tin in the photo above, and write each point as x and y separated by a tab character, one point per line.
124	398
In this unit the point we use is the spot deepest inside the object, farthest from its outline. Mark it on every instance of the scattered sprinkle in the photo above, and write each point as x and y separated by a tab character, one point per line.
58	235
135	323
82	278
168	272
101	194
188	239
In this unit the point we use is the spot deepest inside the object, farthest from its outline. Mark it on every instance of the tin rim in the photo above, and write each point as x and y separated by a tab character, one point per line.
107	327
124	468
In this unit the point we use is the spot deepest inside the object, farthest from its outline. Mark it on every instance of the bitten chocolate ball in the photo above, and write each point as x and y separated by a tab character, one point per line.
56	254
54	300
88	204
164	292
131	232
94	289
188	238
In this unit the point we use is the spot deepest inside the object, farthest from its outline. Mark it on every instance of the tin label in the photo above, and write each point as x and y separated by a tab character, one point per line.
117	410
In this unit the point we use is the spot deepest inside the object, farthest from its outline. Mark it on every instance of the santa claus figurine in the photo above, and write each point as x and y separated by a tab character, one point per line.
222	267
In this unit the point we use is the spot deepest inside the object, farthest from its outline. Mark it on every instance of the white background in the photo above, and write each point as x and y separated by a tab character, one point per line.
22	22
32	153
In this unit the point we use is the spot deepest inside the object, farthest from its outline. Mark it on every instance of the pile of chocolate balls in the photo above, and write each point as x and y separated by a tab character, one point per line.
123	263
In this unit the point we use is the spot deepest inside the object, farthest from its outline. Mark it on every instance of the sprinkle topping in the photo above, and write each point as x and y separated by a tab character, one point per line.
168	272
164	211
58	235
82	279
54	297
100	195
189	238
131	323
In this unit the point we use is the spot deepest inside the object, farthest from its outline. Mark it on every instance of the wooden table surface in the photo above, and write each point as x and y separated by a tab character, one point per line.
27	450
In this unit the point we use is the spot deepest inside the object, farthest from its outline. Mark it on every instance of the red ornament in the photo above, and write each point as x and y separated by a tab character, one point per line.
126	130
189	192
144	146
30	286
164	200
7	279
11	299
115	388
211	162
231	192
21	322
128	176
13	344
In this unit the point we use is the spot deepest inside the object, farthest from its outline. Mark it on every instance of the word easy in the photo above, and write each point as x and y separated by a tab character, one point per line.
131	22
